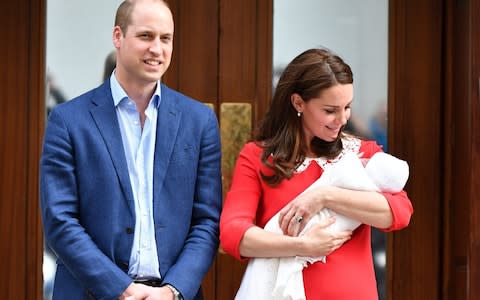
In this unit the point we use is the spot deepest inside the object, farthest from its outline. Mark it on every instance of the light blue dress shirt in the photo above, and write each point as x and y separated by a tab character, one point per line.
139	147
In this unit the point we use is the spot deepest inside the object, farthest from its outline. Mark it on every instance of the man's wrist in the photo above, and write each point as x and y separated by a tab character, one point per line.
175	292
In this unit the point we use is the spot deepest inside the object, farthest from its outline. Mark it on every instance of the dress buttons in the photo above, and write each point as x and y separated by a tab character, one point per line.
129	230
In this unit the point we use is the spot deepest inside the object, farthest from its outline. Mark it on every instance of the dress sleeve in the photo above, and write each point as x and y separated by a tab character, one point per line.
401	208
242	200
399	203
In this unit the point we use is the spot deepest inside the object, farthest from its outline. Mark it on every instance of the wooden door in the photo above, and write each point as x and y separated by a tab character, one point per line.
222	55
461	226
21	127
415	133
434	78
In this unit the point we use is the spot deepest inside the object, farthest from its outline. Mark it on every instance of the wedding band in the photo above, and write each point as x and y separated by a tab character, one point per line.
299	219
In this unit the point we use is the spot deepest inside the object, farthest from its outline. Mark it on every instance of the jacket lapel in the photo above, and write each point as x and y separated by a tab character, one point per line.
105	117
168	124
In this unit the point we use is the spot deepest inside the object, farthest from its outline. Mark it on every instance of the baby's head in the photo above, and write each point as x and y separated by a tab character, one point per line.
390	174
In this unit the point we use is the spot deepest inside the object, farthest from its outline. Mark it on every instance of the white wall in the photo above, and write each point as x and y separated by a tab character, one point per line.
79	38
356	30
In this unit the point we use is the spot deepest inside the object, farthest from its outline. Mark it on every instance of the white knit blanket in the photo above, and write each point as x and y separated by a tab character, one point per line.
281	278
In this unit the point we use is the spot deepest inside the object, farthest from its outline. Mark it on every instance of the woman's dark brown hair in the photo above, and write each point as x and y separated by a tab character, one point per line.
280	134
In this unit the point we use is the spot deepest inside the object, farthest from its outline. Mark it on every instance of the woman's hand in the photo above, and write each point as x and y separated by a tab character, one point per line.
295	215
319	241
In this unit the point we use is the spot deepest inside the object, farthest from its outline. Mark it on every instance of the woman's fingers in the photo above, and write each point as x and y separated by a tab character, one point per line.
339	243
296	224
286	219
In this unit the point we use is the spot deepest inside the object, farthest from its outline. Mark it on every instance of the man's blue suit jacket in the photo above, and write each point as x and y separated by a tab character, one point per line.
87	202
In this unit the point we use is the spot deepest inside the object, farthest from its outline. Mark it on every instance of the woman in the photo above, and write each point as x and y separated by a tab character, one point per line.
300	136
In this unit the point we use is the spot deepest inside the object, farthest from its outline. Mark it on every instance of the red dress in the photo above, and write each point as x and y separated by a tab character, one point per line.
349	272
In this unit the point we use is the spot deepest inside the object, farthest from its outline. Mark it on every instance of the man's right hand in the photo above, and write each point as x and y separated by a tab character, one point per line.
135	291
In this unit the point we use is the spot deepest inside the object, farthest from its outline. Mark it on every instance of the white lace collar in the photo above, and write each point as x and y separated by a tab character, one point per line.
350	144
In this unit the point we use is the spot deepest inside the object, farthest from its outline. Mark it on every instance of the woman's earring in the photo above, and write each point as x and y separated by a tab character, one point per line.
299	114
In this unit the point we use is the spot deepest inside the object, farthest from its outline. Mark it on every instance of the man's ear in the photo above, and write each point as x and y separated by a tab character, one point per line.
117	36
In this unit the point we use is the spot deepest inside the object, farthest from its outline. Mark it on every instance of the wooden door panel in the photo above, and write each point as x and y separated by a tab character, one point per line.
414	122
21	128
229	275
461	276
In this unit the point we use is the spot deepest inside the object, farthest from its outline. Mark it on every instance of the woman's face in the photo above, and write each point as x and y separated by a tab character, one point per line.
324	116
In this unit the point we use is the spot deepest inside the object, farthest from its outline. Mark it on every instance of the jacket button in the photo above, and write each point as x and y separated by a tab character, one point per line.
123	265
129	230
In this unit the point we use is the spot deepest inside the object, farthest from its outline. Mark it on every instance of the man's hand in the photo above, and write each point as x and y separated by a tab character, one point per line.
136	291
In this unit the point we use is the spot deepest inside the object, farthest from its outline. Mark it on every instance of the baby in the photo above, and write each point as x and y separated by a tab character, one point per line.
281	278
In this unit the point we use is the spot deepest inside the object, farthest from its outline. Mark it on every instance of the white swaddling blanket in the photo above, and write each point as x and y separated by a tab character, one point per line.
281	278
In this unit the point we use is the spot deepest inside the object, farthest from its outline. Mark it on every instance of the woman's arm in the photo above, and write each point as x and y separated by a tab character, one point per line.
382	210
366	207
257	242
369	208
239	234
387	211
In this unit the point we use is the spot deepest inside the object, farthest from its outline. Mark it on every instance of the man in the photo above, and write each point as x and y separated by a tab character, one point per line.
130	175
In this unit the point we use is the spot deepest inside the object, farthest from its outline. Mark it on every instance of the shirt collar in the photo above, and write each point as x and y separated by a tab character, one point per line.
119	94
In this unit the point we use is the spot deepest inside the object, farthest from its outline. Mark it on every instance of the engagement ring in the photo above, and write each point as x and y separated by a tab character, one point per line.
299	219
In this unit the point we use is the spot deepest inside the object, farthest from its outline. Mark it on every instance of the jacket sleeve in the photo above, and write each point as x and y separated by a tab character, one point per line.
60	211
201	244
